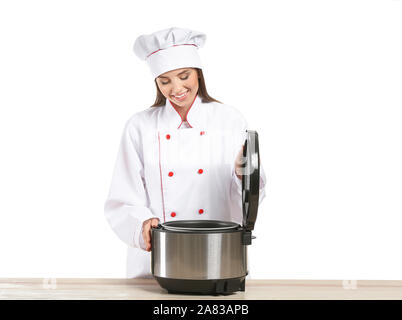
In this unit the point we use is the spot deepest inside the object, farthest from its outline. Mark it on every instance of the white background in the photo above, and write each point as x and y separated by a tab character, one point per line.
319	80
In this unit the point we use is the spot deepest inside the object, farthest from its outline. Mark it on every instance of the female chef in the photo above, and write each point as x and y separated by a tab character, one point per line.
179	159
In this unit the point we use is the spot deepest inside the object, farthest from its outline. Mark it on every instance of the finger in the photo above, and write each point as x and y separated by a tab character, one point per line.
240	155
146	235
144	227
149	239
154	222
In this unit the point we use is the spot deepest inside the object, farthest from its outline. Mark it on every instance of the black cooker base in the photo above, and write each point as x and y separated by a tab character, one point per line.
219	286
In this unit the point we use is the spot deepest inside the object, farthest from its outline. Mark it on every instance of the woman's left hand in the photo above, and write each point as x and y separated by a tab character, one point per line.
239	163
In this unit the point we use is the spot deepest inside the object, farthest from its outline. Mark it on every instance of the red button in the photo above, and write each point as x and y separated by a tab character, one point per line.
200	171
168	136
200	211
170	173
173	214
202	133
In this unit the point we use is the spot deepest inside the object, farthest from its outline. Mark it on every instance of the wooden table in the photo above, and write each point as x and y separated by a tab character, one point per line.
148	289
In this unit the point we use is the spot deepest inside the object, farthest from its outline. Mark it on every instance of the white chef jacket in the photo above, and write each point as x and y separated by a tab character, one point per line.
172	174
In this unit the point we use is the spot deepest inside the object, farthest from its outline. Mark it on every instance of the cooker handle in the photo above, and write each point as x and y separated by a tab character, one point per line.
247	237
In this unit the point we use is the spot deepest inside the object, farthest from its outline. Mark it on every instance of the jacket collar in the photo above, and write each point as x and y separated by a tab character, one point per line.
196	115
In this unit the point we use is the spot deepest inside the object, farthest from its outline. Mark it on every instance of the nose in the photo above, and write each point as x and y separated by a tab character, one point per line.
177	87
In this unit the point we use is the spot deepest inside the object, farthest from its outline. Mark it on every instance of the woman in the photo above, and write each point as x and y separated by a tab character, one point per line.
179	159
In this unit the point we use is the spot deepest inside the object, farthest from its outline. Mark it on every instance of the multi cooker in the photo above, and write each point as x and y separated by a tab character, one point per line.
209	256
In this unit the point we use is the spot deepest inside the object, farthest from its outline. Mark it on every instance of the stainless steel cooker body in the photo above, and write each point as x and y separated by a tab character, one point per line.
198	256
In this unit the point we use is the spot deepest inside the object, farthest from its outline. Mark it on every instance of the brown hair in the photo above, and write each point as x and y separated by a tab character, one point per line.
202	92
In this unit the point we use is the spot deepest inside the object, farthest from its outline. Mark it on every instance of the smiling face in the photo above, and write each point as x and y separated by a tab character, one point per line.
180	86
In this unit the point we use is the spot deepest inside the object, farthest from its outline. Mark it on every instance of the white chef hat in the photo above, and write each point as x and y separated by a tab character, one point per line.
170	49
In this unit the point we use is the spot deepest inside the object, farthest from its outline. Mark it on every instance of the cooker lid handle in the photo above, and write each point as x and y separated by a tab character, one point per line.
250	179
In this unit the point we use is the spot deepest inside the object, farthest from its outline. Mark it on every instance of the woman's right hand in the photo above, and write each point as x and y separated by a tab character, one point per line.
146	231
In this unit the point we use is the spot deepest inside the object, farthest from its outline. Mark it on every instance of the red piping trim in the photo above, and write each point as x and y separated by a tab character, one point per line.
185	44
185	116
160	172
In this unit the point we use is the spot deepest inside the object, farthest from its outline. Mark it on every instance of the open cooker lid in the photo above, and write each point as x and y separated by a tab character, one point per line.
250	179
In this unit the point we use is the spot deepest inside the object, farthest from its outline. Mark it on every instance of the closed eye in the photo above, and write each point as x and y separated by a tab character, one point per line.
180	79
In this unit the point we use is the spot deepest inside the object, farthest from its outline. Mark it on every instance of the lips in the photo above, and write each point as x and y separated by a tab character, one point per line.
181	98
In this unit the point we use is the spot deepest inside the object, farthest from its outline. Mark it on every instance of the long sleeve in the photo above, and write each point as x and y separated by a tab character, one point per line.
127	205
